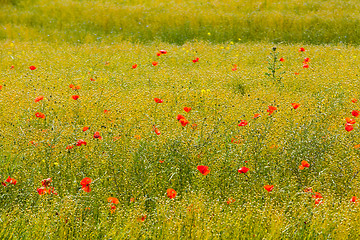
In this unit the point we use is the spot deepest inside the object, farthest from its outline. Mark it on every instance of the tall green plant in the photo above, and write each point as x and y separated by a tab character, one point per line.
274	65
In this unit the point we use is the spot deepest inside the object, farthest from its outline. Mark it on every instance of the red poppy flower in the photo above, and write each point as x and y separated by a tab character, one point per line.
75	97
106	111
91	79
46	182
85	184
85	181
132	200
231	200
349	127
142	218
157	132
11	180
171	193
204	170
69	147
349	121
282	60
302	49
269	188
354	100
234	68
242	123
134	66
195	60
306	65
154	63
187	109
38	99
112	208
353	199
306	60
256	116
305	164
33	143
12	67
179	117
41	191
71	86
183	122
297	73
85	128
163	51
80	142
295	105
86	188
355	113
32	67
318	201
97	135
51	190
271	109
4	184
40	115
158	54
236	140
243	170
158	100
113	200
317	195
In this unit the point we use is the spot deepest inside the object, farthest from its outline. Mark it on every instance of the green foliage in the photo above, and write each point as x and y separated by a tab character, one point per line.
239	88
277	21
274	66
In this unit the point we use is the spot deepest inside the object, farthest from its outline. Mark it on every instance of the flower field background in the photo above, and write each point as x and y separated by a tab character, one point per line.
178	21
195	138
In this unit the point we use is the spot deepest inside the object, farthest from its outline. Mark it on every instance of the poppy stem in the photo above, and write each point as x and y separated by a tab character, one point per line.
155	114
247	176
117	187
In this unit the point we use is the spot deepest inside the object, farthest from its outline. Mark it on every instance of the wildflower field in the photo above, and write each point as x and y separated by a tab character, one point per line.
197	138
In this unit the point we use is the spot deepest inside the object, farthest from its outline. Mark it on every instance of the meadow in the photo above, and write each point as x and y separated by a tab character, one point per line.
184	136
180	21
